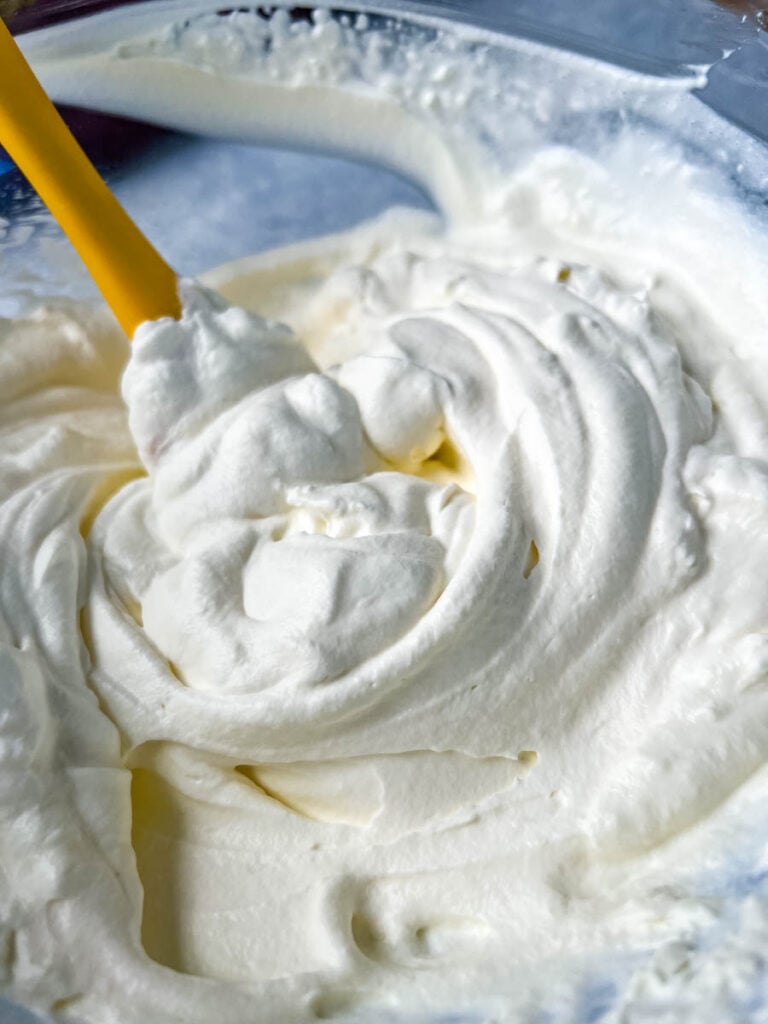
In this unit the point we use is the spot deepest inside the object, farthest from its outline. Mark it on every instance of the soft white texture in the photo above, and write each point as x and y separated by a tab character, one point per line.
381	755
404	653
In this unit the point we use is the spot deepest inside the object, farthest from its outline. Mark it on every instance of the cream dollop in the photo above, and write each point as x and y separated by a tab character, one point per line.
293	534
282	559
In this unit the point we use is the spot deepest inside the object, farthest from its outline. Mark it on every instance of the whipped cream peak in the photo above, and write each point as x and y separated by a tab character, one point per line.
213	342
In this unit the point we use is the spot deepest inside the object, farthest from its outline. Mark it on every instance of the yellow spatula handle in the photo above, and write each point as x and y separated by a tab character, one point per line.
131	275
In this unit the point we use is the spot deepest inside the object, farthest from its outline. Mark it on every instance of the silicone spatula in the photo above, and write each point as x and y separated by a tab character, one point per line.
134	279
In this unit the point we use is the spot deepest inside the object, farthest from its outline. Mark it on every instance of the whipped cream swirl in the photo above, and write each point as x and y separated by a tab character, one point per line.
387	647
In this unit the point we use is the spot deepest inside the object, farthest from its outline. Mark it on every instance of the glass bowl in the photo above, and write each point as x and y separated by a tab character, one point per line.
208	192
224	215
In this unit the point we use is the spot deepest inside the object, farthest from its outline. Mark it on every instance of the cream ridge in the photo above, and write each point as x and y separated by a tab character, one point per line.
386	639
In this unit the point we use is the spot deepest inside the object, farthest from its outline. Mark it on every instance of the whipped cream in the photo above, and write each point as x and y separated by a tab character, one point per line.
392	643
